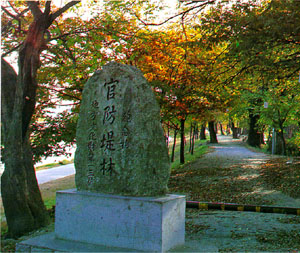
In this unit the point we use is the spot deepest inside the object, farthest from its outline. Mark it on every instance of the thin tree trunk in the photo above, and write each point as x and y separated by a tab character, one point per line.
216	127
196	132
212	133
174	145
262	138
168	135
193	139
253	136
182	122
234	131
191	134
202	132
283	142
221	129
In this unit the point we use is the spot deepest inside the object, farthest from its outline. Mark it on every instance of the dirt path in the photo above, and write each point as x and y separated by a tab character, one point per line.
233	154
231	173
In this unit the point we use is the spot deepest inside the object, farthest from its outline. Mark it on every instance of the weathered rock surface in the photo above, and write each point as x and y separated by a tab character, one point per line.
121	148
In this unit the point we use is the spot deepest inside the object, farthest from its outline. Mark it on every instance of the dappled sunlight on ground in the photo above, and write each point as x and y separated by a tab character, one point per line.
262	191
246	177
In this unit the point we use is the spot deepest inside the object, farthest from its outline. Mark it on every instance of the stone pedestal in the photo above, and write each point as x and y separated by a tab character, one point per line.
140	223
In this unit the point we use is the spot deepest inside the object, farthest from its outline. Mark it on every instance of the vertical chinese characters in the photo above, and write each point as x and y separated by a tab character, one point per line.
91	145
107	145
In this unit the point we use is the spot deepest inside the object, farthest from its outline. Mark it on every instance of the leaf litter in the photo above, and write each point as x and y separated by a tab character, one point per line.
234	174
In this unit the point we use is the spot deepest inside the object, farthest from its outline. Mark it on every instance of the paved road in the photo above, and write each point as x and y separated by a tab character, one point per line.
47	175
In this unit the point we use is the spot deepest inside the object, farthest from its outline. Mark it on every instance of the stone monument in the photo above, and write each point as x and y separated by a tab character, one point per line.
122	170
120	142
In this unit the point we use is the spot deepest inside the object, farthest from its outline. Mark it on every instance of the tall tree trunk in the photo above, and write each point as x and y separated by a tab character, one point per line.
196	131
193	139
221	129
22	201
168	135
283	142
234	131
216	127
212	133
228	129
202	132
262	138
254	136
174	145
182	140
23	205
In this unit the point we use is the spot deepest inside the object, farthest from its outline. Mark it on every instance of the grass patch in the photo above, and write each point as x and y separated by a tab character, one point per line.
199	149
262	149
49	189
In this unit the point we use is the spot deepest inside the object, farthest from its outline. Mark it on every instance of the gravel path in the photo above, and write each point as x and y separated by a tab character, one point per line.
212	231
231	152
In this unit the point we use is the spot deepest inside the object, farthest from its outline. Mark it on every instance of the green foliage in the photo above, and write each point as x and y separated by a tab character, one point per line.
293	145
231	59
200	150
53	135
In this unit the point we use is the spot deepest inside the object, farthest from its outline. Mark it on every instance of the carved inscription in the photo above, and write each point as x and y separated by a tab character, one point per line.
109	114
108	139
91	145
120	143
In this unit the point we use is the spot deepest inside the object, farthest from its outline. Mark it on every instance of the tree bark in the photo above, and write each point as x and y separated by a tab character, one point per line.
193	140
191	137
168	135
283	142
196	132
234	131
182	140
221	129
202	132
22	201
254	137
174	145
212	133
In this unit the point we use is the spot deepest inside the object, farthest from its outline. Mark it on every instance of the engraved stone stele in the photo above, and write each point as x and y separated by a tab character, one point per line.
121	148
122	170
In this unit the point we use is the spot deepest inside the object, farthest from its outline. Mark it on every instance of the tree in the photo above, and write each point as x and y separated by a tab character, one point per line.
263	52
212	132
23	205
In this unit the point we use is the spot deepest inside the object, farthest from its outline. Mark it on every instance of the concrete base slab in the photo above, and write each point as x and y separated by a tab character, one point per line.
93	222
49	243
140	223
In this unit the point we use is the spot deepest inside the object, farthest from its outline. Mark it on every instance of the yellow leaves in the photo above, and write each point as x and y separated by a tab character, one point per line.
148	58
149	76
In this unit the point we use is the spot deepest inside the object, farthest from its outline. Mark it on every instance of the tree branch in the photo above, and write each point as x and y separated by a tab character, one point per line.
33	6
47	7
63	9
6	27
12	50
9	14
64	94
175	16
